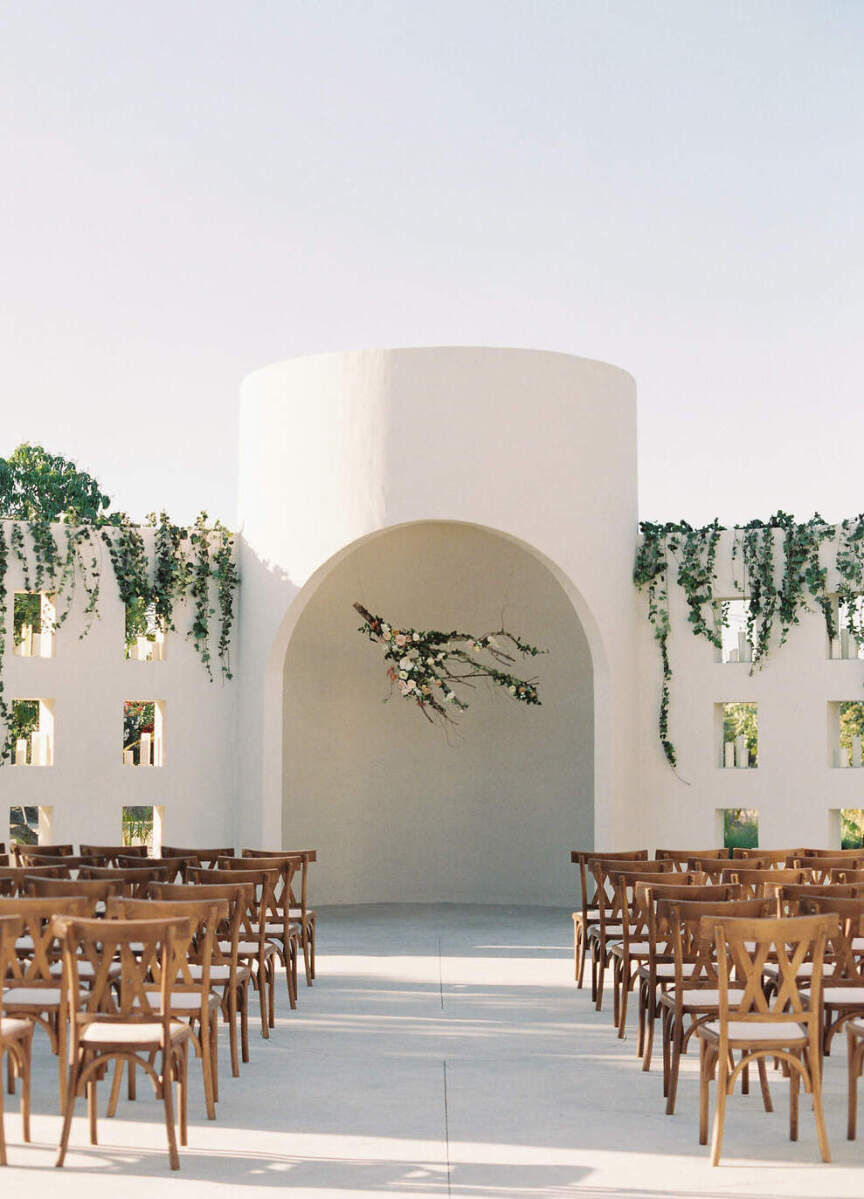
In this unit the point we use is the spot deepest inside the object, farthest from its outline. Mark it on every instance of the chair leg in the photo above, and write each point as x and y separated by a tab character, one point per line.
651	1020
818	1113
262	1000
853	1058
207	1068
704	1079
794	1082
677	1039
183	1093
3	1161
115	1087
27	1067
168	1100
244	1021
92	1107
71	1094
271	993
763	1083
668	1018
720	1110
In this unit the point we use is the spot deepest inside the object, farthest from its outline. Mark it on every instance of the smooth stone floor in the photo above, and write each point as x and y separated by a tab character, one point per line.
443	1051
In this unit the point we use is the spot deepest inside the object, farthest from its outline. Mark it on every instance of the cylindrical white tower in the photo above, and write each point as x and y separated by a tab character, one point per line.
539	446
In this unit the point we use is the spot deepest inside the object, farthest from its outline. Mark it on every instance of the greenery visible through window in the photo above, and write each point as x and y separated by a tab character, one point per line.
851	828
740	828
851	723
138	718
741	719
24	825
138	826
24	721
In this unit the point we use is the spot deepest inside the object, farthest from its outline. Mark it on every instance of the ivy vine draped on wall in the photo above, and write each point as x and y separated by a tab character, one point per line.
777	591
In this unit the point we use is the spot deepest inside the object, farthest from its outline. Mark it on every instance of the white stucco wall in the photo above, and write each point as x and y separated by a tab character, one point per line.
795	791
404	811
540	446
88	680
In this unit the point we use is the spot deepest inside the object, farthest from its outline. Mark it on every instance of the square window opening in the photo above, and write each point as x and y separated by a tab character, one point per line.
144	732
145	632
730	622
739	827
848	616
31	732
737	726
144	825
34	621
846	734
30	825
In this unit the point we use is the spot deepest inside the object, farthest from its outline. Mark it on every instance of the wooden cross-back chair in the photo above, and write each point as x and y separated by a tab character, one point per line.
13	878
132	881
588	914
282	928
819	868
682	856
111	853
16	1034
229	977
171	869
206	858
190	995
41	851
843	973
98	891
693	997
760	882
767	857
610	923
789	894
139	1026
784	1024
632	950
299	909
846	874
253	948
830	853
66	862
33	989
657	973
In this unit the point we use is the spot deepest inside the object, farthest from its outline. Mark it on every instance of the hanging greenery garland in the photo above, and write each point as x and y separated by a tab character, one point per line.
427	666
773	607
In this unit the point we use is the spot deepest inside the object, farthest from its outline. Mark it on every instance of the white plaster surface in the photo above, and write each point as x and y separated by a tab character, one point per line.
443	1051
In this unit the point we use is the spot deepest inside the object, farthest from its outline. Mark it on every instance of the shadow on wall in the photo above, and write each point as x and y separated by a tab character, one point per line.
401	810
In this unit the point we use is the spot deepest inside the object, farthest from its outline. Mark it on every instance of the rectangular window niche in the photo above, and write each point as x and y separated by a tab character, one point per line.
30	825
145	633
739	827
144	825
737	735
846	734
735	645
31	732
144	732
34	619
848	645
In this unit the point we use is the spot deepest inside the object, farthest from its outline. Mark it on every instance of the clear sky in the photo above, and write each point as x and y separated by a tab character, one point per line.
192	190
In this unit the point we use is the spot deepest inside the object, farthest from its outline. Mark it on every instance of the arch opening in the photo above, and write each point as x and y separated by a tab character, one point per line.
399	810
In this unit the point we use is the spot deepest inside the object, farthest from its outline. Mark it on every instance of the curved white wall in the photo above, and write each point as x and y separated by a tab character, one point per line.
335	447
402	810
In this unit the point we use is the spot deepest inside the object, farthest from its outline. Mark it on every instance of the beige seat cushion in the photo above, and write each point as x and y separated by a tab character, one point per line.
180	1001
246	948
11	1028
768	1030
104	1033
707	997
843	996
36	997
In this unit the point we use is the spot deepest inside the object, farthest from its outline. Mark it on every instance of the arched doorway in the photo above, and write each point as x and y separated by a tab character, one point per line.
400	811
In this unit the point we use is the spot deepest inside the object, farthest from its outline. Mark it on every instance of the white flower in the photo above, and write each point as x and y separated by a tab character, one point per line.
416	636
386	634
512	689
430	661
406	664
441	657
410	686
403	674
400	639
385	628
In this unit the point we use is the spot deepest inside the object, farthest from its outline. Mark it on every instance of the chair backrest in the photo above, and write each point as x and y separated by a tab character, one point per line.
846	966
830	853
819	868
843	874
11	928
767	857
110	853
13	878
97	890
694	957
66	862
133	880
789	894
654	901
757	883
586	879
205	916
286	894
260	903
682	856
42	851
147	949
742	947
240	897
202	857
34	968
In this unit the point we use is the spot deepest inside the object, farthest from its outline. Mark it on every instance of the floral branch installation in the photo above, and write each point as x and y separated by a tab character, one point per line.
778	587
427	666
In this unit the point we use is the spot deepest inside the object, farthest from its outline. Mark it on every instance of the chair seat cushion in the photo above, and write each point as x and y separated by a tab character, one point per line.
180	1001
85	969
246	948
769	1030
635	947
11	1028
35	997
805	970
707	997
843	996
666	970
103	1032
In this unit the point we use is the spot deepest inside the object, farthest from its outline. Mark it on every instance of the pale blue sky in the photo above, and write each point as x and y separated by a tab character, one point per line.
192	190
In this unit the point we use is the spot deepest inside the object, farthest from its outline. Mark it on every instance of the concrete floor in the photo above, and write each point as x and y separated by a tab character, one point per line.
443	1051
